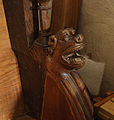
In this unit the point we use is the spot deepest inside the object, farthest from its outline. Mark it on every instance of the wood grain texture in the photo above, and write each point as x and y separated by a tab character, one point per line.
98	104
11	102
65	96
45	17
31	59
59	108
65	14
28	15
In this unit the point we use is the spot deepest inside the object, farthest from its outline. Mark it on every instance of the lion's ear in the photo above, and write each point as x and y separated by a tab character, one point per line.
52	42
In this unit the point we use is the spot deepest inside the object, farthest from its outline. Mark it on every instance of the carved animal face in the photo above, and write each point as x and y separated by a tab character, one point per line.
65	47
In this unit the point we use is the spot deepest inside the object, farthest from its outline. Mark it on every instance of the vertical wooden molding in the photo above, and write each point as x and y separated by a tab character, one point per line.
31	60
65	14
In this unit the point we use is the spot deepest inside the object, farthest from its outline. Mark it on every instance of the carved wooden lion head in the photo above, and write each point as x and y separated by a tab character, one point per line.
64	48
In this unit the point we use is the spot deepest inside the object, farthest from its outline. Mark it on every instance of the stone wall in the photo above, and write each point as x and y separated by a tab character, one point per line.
97	24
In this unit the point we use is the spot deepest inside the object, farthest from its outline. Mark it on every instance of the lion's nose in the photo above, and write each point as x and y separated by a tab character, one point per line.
79	38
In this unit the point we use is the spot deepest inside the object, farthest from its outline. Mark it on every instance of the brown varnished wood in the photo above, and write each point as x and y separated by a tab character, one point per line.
57	110
65	14
31	59
83	90
45	16
29	24
68	93
98	104
11	98
33	76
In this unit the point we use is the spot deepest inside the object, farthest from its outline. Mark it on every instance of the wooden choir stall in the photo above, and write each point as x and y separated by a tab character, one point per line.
45	48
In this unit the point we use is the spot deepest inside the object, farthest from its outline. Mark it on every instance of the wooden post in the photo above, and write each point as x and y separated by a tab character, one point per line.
31	58
65	14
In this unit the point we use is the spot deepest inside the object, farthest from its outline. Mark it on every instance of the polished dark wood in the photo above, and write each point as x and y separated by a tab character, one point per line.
23	30
65	14
65	96
31	59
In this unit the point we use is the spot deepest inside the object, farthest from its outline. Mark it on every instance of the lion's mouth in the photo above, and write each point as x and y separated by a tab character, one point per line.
73	56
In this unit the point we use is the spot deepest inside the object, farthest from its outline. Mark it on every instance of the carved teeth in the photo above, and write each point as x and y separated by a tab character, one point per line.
66	59
77	59
70	55
79	48
78	54
73	57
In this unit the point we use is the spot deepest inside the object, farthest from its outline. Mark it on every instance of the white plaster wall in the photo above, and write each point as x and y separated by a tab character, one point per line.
97	24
